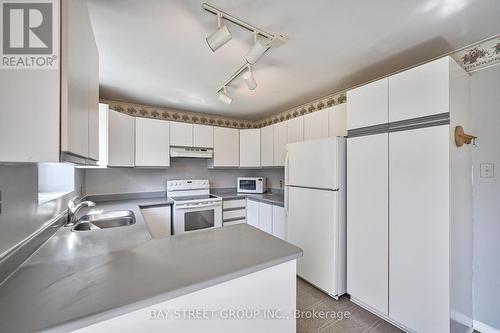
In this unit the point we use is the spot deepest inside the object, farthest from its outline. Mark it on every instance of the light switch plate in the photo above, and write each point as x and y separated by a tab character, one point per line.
487	170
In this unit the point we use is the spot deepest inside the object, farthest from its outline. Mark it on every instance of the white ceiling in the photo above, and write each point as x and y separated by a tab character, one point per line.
154	52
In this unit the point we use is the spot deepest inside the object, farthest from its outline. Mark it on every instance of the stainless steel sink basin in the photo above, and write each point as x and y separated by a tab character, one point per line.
105	220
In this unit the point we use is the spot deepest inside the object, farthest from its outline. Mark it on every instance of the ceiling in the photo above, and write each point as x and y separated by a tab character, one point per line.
154	52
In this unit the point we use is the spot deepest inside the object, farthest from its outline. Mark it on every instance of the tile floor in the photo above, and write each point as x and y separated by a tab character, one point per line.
359	321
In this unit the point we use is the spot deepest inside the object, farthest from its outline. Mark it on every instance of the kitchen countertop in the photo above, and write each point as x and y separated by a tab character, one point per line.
277	199
79	278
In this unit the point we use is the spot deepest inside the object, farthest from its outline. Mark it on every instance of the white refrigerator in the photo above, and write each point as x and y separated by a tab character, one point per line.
315	209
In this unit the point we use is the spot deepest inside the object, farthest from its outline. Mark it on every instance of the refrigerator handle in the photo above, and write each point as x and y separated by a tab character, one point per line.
286	182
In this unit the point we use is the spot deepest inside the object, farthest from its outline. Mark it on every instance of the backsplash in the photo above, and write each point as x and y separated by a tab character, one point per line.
132	180
21	215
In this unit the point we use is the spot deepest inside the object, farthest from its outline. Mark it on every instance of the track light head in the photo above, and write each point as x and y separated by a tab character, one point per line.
250	79
258	49
220	37
223	97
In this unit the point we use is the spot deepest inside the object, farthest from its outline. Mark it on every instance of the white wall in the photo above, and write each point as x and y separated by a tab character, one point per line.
130	180
485	105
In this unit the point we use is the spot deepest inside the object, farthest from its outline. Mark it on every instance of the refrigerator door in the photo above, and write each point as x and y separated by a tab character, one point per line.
312	225
313	163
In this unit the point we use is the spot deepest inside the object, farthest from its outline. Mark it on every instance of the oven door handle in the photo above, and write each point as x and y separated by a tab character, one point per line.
198	206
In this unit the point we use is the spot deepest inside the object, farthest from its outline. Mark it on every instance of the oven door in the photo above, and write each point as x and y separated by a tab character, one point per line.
189	218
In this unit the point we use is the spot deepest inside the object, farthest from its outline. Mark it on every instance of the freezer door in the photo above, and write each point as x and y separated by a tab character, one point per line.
313	163
312	226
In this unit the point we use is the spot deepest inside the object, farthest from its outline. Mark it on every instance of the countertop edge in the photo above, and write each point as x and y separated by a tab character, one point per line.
85	321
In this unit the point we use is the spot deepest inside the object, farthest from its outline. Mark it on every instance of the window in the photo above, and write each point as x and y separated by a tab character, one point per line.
55	180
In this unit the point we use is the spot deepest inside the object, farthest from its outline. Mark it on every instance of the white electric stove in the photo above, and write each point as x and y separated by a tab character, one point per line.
194	207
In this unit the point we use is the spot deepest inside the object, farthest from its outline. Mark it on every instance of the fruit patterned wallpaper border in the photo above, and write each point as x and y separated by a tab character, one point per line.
473	58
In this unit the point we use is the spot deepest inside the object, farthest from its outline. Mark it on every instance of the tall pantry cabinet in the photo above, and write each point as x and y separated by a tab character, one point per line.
409	218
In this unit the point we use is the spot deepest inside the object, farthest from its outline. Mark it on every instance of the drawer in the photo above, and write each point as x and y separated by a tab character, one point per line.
234	222
226	204
233	214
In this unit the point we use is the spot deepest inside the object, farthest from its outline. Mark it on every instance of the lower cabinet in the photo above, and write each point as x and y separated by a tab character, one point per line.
158	220
267	217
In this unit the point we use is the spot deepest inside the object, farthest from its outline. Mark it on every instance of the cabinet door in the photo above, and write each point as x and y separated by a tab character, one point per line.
181	134
280	141
337	120
367	220
203	136
267	146
266	217
152	148
419	215
93	105
295	130
420	91
253	213
121	139
250	147
368	105
316	125
158	221
226	147
279	228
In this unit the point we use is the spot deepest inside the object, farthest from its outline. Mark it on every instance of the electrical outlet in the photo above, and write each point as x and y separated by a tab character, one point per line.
281	183
487	170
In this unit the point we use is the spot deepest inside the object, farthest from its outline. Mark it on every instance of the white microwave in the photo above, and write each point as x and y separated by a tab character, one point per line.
251	184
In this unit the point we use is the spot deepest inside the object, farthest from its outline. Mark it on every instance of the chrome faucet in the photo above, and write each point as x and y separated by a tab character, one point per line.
73	209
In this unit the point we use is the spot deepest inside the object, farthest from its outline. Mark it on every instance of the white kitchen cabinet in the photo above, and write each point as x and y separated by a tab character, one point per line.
203	136
158	220
250	147
420	91
121	139
181	134
253	213
295	129
279	222
337	118
152	142
226	147
79	84
368	105
266	217
419	215
267	146
316	125
280	141
367	220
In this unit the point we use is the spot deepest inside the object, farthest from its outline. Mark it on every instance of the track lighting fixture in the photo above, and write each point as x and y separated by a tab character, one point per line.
260	46
223	96
249	79
263	41
220	37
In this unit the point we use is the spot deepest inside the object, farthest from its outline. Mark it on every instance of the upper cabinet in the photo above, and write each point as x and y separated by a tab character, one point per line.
280	141
267	146
368	105
337	118
420	91
316	125
79	84
295	129
181	134
226	147
203	136
121	139
46	112
250	147
152	142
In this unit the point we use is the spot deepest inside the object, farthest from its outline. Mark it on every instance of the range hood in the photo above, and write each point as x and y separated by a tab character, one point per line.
191	152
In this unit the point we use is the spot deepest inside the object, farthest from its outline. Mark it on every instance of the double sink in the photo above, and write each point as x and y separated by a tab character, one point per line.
104	220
